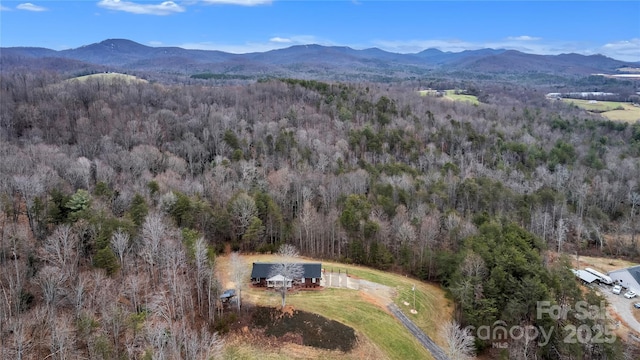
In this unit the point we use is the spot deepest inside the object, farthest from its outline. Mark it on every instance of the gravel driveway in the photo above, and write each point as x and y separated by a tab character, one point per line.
623	307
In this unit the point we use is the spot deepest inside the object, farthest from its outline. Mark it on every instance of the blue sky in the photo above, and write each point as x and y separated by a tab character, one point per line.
611	28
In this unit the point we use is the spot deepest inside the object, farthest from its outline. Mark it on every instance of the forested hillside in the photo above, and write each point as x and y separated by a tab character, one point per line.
116	196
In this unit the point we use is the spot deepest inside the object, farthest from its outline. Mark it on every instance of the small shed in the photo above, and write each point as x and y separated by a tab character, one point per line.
227	295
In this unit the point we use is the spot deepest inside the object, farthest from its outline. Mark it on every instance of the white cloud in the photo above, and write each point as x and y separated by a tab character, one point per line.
234	48
30	7
4	8
627	50
238	2
164	8
413	46
523	38
280	40
249	47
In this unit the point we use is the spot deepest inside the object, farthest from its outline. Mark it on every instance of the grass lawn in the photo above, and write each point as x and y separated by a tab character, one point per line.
427	92
362	311
451	95
348	307
612	110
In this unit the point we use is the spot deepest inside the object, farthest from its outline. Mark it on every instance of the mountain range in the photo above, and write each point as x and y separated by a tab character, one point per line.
309	61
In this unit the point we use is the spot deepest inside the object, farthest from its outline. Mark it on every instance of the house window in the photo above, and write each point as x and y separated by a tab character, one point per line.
313	280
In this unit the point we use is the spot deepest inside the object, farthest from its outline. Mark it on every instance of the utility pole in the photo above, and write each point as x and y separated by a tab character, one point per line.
414	296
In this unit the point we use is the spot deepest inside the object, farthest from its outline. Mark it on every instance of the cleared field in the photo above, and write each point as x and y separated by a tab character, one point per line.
612	110
363	311
109	77
428	92
451	95
601	263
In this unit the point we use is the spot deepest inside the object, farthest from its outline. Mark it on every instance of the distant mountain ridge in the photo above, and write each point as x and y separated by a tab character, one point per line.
306	60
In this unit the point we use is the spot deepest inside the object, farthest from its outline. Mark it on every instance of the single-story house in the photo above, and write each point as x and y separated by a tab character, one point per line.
312	273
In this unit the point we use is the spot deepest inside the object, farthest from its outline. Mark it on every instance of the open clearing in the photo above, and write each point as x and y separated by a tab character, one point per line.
364	310
601	263
109	77
612	110
451	95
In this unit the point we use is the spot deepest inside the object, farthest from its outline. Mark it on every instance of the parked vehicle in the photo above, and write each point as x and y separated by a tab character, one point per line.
637	305
630	294
601	277
617	289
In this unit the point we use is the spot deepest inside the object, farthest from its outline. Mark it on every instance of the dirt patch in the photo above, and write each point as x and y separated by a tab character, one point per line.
303	328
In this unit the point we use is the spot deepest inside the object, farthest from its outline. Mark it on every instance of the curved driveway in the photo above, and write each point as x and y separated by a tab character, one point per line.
424	339
623	307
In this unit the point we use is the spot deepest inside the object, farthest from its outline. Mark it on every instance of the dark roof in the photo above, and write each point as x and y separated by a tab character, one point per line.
262	270
635	272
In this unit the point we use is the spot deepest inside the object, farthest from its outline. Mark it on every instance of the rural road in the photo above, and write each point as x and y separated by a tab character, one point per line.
424	339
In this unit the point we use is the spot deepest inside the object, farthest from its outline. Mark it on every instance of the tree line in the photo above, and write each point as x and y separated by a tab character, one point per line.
145	183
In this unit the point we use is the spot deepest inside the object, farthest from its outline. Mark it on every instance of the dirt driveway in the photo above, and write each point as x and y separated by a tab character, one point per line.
379	294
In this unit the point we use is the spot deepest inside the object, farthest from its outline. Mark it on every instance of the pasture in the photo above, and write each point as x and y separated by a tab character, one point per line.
612	110
451	95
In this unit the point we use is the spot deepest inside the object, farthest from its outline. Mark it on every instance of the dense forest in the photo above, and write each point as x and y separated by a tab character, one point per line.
117	195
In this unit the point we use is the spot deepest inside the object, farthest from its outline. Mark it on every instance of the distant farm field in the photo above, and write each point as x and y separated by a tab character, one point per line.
363	310
451	94
612	110
110	77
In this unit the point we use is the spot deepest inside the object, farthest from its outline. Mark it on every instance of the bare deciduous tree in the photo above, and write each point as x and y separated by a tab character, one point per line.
561	233
62	344
242	209
61	249
153	232
203	271
51	280
287	268
459	341
239	274
120	245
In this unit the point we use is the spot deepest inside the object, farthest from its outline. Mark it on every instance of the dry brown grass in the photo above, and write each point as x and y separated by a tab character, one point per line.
601	263
251	345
